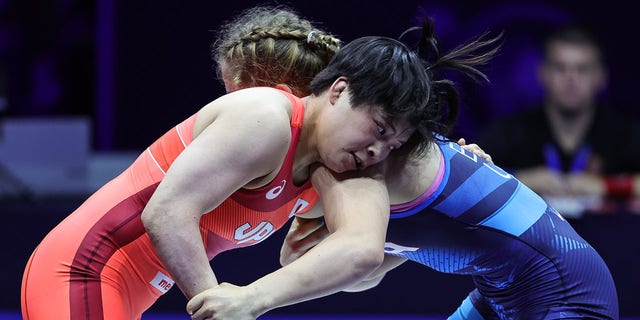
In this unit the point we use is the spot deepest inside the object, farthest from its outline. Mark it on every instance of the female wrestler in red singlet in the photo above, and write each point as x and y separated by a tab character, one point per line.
226	177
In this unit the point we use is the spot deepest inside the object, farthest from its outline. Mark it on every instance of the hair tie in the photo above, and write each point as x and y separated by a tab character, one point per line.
309	36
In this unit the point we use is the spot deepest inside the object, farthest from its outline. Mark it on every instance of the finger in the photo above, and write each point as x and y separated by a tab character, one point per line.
474	147
477	150
316	224
462	141
201	315
305	227
195	304
313	239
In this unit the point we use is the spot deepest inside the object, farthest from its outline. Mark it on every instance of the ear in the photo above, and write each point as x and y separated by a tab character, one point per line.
336	89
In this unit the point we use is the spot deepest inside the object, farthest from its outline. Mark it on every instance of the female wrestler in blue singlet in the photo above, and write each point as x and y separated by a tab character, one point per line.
475	219
526	261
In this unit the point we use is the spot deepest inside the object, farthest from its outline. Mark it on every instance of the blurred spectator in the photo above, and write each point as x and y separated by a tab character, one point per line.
571	145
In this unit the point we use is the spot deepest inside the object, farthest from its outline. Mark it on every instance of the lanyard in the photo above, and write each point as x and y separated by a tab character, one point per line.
578	163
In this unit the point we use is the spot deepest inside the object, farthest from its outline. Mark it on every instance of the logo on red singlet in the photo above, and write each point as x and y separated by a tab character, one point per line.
162	282
300	205
276	191
254	234
246	232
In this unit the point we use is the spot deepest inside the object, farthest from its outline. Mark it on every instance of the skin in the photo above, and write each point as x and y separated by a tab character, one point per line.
356	214
306	232
355	238
410	179
235	148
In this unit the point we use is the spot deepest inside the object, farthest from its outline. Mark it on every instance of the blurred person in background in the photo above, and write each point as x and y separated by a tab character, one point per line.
572	149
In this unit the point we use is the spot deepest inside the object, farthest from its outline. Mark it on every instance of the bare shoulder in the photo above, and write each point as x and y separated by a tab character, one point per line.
262	108
254	123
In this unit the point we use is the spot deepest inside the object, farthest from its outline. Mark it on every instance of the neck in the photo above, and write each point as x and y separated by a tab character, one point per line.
307	151
569	126
410	178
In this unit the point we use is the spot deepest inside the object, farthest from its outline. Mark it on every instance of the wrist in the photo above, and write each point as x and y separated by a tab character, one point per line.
260	302
619	186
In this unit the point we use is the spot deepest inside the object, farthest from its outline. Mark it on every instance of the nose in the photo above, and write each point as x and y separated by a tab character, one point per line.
377	152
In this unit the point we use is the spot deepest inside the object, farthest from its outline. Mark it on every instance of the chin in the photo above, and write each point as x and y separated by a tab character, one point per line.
333	165
336	167
573	106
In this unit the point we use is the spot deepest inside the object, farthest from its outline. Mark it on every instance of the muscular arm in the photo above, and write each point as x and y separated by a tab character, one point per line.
356	214
305	233
225	156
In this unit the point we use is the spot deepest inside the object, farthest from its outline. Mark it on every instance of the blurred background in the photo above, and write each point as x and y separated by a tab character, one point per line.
86	85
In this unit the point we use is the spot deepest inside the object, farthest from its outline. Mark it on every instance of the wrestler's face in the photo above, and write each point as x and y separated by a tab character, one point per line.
353	138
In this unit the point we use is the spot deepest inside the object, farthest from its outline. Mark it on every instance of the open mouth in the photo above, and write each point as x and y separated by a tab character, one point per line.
356	161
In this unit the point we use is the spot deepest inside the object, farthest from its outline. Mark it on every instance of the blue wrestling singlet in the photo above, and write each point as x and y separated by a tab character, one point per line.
526	261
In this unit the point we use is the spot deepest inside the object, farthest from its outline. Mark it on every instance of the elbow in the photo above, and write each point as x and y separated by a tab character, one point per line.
147	220
161	221
151	221
365	260
365	285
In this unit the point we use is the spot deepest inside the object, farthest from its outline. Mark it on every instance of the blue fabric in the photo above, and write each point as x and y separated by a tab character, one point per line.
526	260
466	311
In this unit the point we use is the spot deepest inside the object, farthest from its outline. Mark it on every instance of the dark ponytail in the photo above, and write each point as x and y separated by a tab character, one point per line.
442	110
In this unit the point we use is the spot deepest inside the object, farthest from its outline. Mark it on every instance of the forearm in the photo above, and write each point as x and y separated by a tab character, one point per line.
356	214
182	252
302	237
335	264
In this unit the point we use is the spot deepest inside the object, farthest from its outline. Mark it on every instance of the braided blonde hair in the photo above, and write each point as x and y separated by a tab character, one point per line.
267	46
